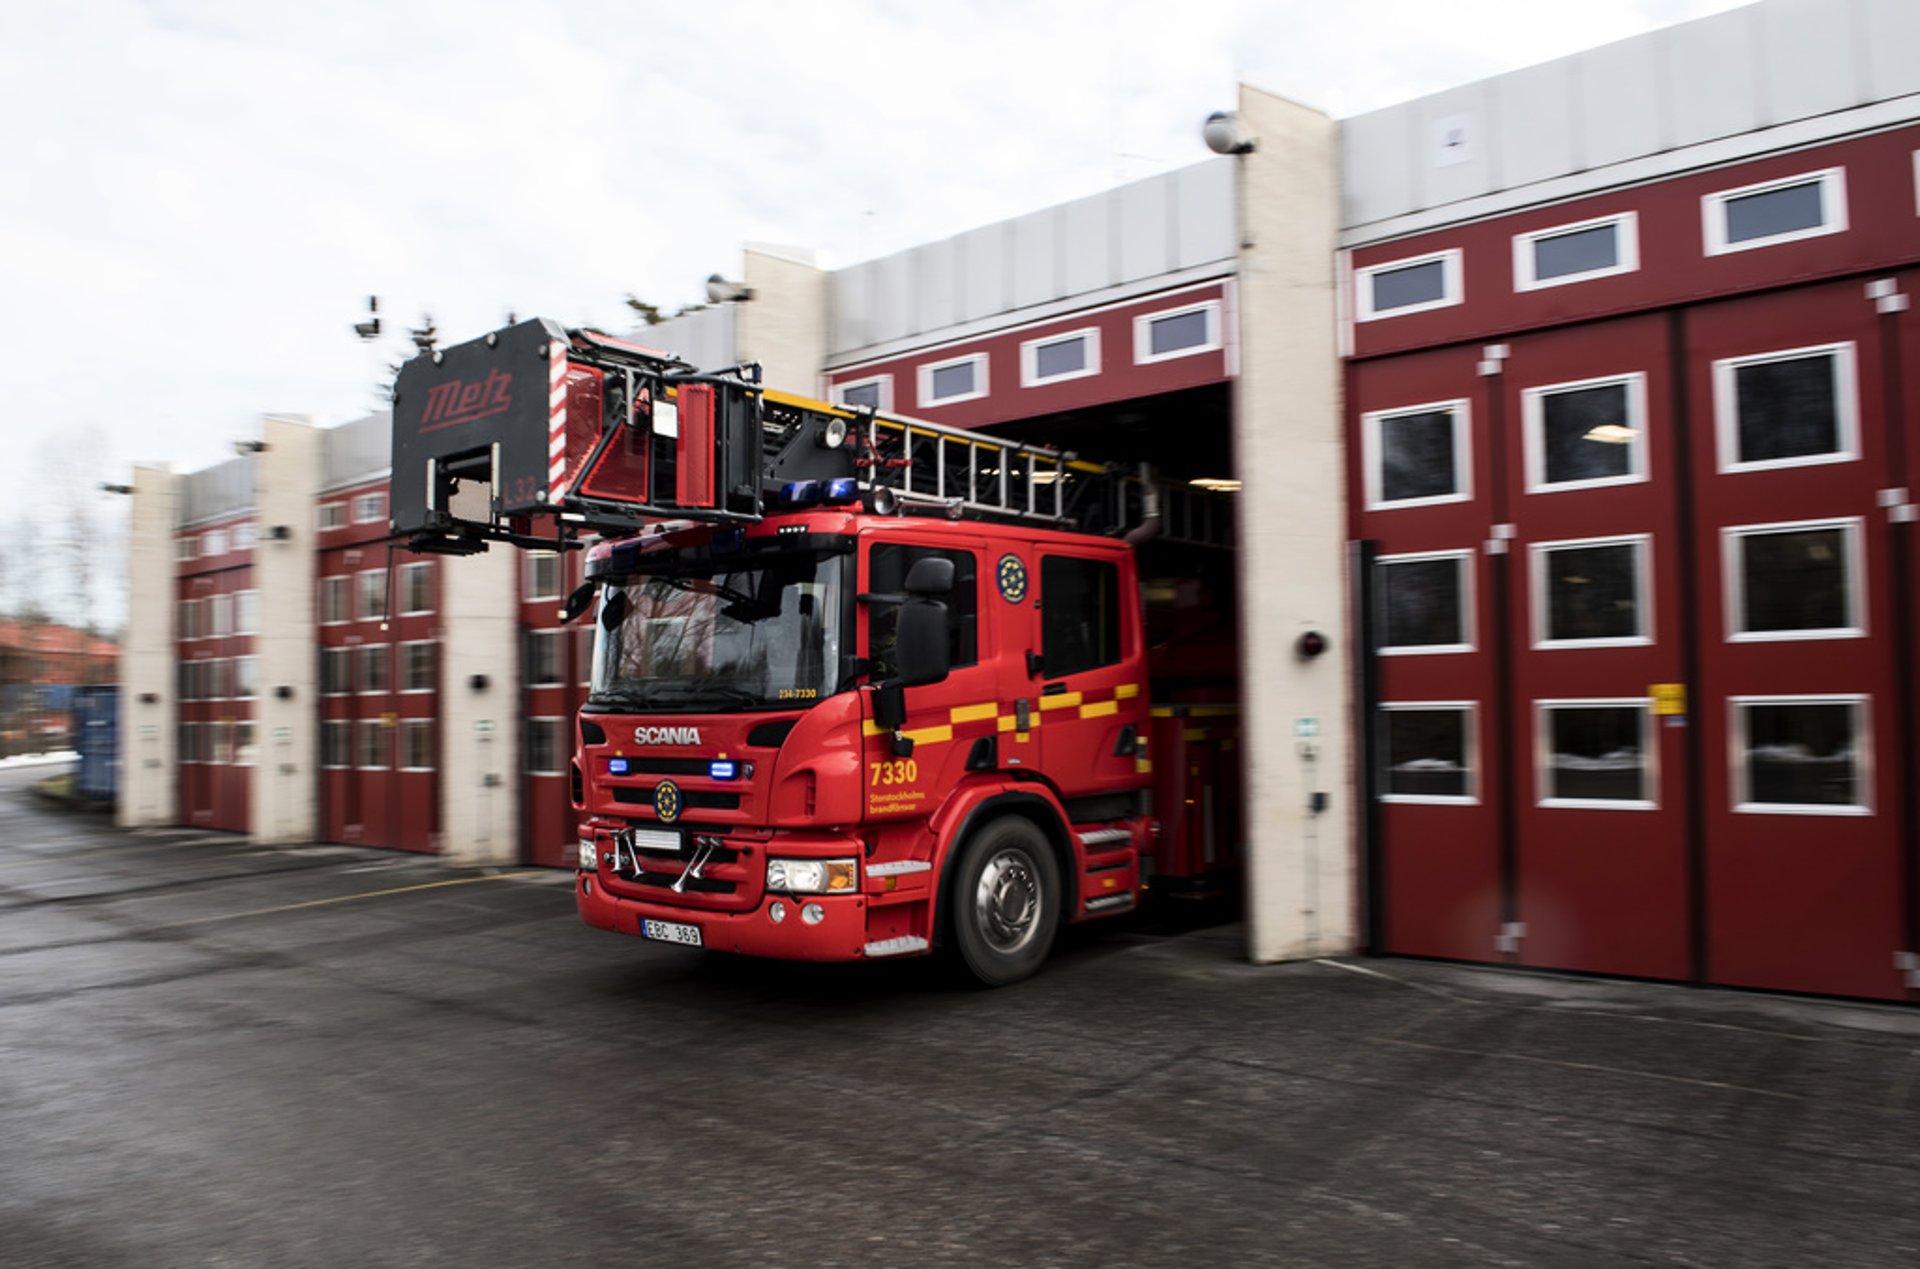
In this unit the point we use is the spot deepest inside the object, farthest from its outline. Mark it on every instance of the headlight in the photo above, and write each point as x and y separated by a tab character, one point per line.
812	876
588	858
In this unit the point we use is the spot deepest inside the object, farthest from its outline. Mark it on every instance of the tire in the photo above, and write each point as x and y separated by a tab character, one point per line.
1005	902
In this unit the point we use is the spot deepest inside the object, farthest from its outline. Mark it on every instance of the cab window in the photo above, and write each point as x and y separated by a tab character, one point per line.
887	574
1079	614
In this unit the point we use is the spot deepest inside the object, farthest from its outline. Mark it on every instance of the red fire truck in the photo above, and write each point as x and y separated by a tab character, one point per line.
863	686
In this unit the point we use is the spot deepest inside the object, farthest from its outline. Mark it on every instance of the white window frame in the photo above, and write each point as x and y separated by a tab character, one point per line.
1833	200
246	612
245	535
924	380
1538	614
400	675
1465	558
1543	753
344	584
213	543
346	724
1143	354
246	686
1470	751
1450	273
407	727
1739	745
556	640
561	754
1733	578
186	547
1533	413
1030	376
1370	422
345	651
363	655
408	572
1846	407
1626	239
369	508
220	615
361	591
530	590
329	516
360	727
885	383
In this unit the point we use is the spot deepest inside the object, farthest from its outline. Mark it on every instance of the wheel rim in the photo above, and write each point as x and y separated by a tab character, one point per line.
1007	901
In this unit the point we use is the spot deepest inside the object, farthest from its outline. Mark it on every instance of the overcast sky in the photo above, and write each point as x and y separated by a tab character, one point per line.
198	195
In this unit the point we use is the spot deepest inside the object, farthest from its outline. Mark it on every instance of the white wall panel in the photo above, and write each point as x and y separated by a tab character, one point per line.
1808	61
1145	228
1711	74
1448	173
1621	97
1376	166
893	290
984	262
1892	34
1037	263
1203	213
1534	134
1089	244
936	297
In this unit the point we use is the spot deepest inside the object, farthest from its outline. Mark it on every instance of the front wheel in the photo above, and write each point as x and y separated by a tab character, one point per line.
1006	902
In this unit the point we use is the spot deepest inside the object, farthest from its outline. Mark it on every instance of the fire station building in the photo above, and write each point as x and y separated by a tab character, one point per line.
1572	407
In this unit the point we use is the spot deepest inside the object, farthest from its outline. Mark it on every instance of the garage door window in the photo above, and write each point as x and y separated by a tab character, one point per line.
1786	409
1586	434
1805	755
1591	593
1595	753
1424	603
1416	456
1427	751
1798	580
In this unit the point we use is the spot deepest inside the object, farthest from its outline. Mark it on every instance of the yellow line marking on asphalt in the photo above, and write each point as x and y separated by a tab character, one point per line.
349	898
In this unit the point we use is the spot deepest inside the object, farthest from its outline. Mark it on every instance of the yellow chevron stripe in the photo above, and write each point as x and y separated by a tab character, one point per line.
1099	709
929	735
1066	700
973	713
1126	691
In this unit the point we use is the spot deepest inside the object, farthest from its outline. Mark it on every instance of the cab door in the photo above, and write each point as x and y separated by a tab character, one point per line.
1088	694
945	721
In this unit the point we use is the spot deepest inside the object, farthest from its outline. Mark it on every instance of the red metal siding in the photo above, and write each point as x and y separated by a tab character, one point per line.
1120	376
214	788
371	800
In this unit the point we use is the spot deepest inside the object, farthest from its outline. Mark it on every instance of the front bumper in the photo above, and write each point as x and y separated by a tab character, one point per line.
840	936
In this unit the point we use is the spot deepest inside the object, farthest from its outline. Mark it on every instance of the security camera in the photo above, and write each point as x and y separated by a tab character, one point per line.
721	291
1225	134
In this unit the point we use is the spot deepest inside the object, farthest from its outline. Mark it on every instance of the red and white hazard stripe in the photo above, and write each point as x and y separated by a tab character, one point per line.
556	420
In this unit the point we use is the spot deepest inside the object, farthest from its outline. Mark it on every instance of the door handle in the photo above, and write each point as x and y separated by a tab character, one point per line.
1054	689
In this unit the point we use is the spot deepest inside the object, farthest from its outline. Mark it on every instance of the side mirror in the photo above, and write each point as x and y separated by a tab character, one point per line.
578	602
920	645
614	611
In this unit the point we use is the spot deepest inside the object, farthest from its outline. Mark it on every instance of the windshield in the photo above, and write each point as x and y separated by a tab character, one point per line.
716	635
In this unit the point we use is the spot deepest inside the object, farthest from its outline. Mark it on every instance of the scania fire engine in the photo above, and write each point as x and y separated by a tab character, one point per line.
863	686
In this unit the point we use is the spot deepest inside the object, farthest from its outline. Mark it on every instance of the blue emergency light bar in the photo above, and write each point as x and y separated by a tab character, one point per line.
616	766
721	769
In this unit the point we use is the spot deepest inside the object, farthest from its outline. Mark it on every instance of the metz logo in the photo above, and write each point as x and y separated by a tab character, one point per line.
666	735
457	401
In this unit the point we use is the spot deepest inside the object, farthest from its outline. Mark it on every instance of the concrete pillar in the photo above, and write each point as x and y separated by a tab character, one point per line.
149	702
480	711
284	784
1289	454
784	325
